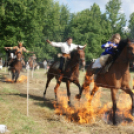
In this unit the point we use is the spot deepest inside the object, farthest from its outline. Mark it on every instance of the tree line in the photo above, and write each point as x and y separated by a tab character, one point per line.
34	21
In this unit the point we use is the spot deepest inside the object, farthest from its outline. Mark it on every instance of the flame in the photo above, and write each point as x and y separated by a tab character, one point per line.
87	111
133	85
22	78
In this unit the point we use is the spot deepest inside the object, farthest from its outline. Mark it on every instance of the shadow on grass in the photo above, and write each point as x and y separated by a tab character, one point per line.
120	117
41	101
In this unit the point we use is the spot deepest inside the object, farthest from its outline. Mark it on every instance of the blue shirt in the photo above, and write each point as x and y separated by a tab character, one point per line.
108	49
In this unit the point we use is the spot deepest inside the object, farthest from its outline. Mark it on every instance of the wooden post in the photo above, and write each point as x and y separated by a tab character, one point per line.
28	91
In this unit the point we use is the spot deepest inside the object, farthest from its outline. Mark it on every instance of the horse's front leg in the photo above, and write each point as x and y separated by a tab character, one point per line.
76	82
13	74
68	92
113	93
56	89
129	91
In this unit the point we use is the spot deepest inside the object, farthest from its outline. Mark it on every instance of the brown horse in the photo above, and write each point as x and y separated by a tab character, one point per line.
16	67
71	73
118	76
32	62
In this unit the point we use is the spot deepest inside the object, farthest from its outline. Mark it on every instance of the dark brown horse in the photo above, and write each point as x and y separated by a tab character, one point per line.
118	76
71	73
16	67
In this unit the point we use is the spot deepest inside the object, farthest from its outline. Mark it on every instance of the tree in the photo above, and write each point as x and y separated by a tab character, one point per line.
116	18
131	25
85	27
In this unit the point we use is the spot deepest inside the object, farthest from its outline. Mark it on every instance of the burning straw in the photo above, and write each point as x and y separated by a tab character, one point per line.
22	78
89	112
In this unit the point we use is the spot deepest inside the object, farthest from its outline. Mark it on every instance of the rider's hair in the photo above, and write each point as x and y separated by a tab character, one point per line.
117	35
69	38
20	42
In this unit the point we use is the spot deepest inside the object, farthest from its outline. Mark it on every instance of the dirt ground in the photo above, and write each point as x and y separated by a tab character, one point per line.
41	117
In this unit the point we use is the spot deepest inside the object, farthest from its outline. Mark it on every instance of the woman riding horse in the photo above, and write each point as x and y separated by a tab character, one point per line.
118	76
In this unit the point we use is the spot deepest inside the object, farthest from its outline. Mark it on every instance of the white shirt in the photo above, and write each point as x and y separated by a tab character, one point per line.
65	48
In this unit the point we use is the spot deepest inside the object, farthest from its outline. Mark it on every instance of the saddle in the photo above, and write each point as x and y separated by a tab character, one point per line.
106	62
56	65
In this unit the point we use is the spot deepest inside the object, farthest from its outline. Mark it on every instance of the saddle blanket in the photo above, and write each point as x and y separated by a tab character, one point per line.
97	63
100	62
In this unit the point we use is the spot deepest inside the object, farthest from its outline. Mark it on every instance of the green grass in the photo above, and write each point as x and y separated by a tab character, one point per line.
9	91
42	119
18	123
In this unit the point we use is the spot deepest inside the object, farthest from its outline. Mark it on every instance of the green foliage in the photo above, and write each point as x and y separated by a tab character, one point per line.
131	25
116	19
34	21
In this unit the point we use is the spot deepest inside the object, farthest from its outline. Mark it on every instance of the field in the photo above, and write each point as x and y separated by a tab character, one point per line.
42	118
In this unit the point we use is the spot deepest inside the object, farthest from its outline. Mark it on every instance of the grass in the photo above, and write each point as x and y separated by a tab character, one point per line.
42	119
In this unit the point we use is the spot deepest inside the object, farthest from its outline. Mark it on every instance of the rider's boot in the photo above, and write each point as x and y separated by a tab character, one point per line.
62	68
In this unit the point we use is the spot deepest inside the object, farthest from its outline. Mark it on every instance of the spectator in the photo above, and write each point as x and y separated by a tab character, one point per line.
45	64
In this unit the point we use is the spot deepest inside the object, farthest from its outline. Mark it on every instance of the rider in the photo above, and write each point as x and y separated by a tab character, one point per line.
108	54
66	48
18	49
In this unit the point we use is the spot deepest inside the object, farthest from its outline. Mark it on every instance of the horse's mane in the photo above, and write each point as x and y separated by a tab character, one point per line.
72	53
122	45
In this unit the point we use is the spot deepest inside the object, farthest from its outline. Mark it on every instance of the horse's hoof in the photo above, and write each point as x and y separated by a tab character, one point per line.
69	104
78	96
44	97
115	123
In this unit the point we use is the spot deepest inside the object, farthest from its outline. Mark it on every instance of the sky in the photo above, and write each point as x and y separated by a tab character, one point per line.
75	6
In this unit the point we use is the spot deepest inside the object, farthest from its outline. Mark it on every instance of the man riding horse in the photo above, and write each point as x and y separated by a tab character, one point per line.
66	48
16	51
16	64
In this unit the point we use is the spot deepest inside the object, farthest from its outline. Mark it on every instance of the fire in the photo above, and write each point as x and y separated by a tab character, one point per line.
22	78
87	111
133	84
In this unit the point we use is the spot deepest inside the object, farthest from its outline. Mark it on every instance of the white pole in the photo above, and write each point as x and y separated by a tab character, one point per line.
27	90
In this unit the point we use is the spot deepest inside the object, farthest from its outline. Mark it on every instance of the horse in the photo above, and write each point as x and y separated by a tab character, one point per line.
32	63
117	77
71	73
11	57
16	67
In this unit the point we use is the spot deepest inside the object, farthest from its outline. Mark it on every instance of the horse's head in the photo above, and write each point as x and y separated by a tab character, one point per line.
19	56
79	55
130	50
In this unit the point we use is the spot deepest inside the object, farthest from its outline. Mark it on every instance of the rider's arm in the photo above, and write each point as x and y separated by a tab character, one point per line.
11	48
25	50
108	44
55	44
76	46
